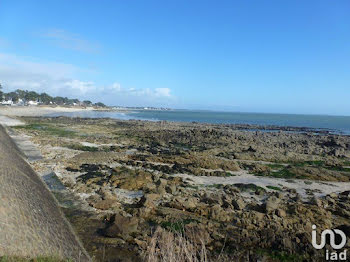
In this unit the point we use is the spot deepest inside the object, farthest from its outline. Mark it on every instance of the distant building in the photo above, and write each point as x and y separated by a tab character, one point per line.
33	103
7	102
20	103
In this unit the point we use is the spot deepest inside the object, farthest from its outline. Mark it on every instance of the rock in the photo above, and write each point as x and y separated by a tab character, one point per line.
149	200
218	213
280	212
106	204
106	194
238	204
171	189
316	201
272	204
333	195
149	187
279	195
122	226
182	203
162	182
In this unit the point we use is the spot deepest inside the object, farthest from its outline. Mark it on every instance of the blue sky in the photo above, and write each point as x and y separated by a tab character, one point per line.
253	56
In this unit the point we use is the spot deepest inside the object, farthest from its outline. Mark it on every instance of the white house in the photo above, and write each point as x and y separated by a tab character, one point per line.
7	102
20	103
33	103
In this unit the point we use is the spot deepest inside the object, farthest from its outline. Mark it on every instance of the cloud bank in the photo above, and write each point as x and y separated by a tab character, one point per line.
60	79
71	41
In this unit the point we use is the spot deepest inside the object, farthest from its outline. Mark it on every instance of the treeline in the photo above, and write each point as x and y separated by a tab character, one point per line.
25	96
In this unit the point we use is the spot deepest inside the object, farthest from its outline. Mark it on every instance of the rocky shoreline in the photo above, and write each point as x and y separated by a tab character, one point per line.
247	194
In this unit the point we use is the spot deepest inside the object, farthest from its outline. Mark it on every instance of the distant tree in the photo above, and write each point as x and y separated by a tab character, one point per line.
45	98
12	96
21	93
99	104
1	94
87	103
31	96
59	100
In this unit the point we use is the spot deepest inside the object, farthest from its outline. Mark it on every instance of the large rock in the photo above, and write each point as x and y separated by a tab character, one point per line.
122	226
106	204
238	203
272	203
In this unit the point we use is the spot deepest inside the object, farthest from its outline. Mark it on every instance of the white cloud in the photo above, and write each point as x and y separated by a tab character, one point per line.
162	92
81	86
71	41
60	79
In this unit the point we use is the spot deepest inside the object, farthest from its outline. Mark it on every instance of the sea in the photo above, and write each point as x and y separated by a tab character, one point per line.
333	124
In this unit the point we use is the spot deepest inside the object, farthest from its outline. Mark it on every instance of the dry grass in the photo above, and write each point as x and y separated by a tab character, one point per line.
166	246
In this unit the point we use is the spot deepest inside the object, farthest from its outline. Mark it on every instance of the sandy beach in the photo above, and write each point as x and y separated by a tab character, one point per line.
38	110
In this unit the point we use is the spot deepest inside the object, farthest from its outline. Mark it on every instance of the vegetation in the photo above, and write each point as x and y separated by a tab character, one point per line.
281	256
249	187
25	96
274	188
177	226
167	246
49	129
37	259
83	148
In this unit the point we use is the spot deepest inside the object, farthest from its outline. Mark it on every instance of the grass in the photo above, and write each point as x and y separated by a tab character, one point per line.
281	256
275	166
83	148
308	182
320	163
249	187
282	173
218	186
274	188
177	226
192	186
50	130
316	163
37	259
346	163
165	246
338	168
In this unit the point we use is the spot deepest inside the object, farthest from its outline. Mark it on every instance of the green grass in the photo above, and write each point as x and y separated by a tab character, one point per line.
274	188
316	163
48	129
346	163
83	148
249	187
177	226
192	186
338	168
228	174
282	173
216	186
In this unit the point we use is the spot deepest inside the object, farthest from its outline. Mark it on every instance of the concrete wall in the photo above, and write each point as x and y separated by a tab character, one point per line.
31	223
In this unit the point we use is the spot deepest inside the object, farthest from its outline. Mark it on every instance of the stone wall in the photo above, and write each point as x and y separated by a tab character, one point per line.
31	223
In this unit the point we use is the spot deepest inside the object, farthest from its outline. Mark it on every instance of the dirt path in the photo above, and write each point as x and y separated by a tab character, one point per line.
31	223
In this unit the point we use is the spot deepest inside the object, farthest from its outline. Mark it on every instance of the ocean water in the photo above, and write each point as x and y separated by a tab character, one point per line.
338	124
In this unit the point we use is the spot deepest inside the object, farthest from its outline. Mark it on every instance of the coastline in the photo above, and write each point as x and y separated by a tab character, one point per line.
308	126
145	174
